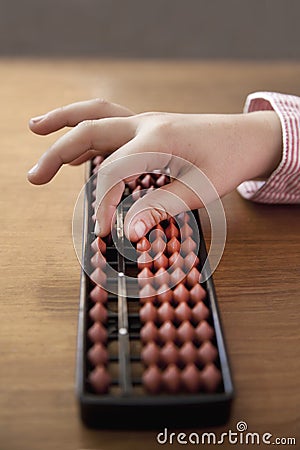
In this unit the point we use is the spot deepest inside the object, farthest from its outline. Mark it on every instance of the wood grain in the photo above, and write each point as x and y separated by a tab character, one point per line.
257	281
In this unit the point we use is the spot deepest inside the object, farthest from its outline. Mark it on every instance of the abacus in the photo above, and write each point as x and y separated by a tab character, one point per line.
151	350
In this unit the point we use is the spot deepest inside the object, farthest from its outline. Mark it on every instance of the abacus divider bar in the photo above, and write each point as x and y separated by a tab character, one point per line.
123	335
124	363
120	236
122	304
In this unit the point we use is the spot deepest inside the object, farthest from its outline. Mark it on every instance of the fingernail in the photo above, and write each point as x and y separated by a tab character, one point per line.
33	169
37	119
97	228
139	228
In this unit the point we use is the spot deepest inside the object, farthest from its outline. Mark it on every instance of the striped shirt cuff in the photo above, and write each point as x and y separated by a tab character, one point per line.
283	185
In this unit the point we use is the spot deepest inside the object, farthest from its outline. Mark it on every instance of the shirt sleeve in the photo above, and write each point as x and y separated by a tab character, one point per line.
283	185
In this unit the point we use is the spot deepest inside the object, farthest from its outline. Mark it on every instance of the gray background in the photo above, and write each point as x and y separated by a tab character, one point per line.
262	29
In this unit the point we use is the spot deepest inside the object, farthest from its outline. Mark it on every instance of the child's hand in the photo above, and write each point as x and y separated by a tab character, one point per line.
228	149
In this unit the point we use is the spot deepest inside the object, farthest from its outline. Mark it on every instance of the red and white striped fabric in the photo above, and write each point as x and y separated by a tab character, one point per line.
283	185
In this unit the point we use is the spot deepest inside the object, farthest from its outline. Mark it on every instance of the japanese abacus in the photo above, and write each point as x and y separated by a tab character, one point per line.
149	335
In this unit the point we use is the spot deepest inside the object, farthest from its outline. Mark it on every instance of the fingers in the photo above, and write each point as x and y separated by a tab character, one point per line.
106	209
191	189
71	115
158	205
83	158
129	161
104	136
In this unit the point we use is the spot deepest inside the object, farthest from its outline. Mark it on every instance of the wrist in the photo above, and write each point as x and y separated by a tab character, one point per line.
265	143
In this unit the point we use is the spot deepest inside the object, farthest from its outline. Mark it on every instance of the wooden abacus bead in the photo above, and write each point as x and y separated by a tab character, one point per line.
175	261
98	294
204	332
157	232
97	333
149	332
152	379
161	277
173	245
158	246
177	276
100	379
98	313
188	246
186	231
94	246
193	277
166	312
145	276
171	231
98	245
185	332
147	181
188	353
99	277
167	332
97	354
171	378
211	378
136	193
101	245
200	312
164	294
183	312
147	294
191	260
143	245
98	260
183	217
148	313
161	181
160	261
191	378
169	354
180	294
144	260
150	353
197	293
207	353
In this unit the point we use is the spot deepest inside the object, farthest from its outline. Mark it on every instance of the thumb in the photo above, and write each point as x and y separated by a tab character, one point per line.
158	205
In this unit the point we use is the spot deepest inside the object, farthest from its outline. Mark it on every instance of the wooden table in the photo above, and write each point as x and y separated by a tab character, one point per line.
257	281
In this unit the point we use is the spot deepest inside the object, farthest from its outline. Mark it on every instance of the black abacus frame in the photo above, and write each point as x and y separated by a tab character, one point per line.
132	411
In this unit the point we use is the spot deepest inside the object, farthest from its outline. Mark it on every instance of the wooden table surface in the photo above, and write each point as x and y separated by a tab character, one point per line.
257	281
